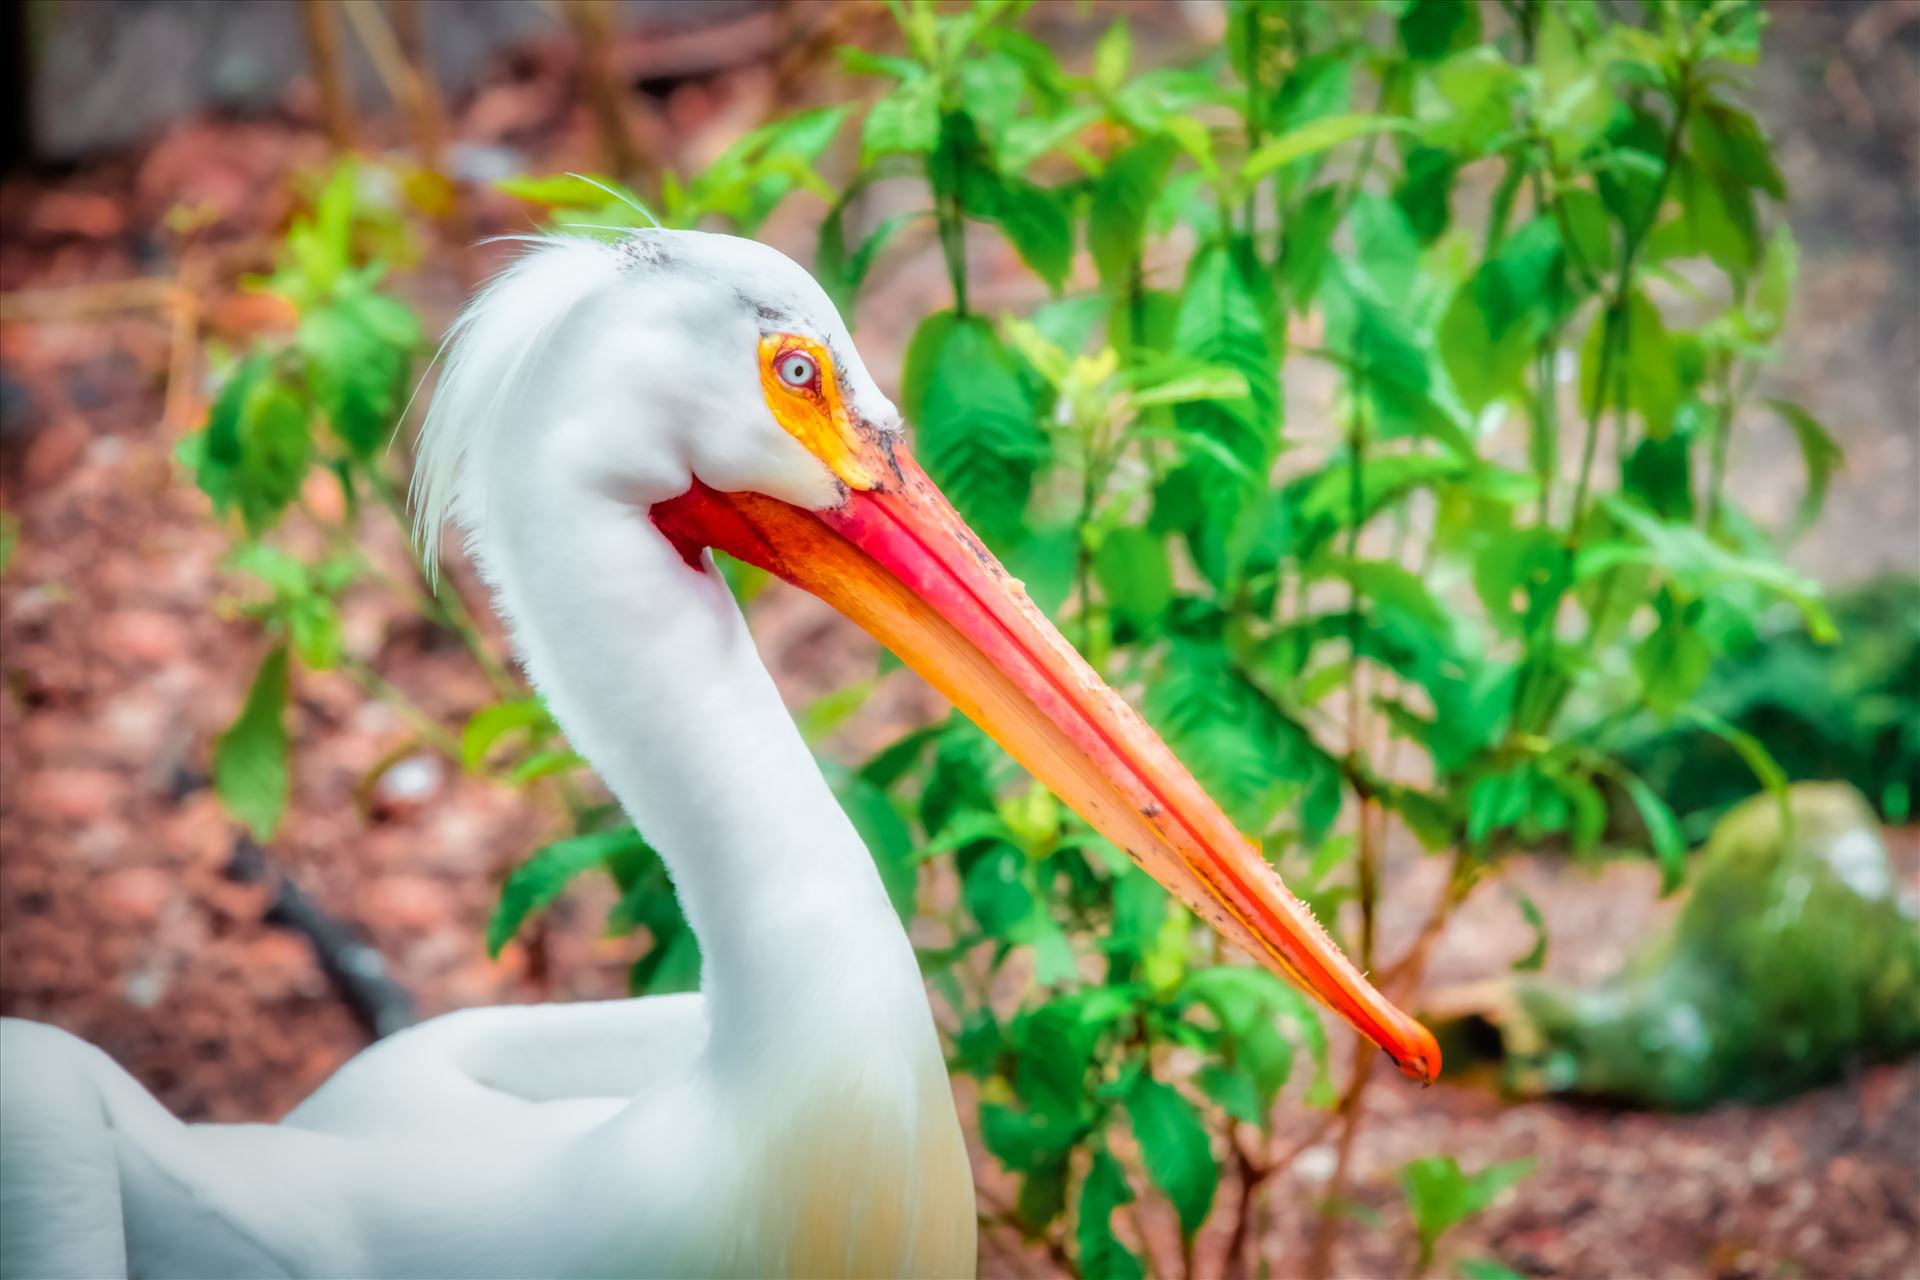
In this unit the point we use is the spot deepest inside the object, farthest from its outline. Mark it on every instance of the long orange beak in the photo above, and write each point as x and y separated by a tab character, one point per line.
900	562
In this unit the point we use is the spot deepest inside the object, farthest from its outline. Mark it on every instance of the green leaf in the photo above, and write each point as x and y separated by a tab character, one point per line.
1674	658
1222	322
1692	558
1030	137
989	87
286	575
1424	193
1766	770
1307	243
1524	281
995	889
1645	366
357	372
1530	911
1779	270
544	764
1314	137
1727	142
250	766
1234	1090
1483	367
1385	245
1044	561
1660	472
1024	1141
826	713
748	180
1103	1191
1123	195
842	273
1575	103
1441	1196
313	625
1471	103
489	724
1035	220
1663	829
1251	1005
1487	1269
1717	219
670	966
906	121
1043	1197
535	883
255	446
1111	56
977	428
1175	1149
887	838
1389	584
1315	87
1432	29
1131	566
1156	380
1818	451
1389	361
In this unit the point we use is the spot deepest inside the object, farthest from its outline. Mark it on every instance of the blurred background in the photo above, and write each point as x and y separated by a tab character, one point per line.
1683	1016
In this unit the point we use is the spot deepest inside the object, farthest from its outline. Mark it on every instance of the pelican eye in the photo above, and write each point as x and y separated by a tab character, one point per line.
798	370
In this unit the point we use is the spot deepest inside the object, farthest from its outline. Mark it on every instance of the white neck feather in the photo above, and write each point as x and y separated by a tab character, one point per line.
650	669
569	405
645	661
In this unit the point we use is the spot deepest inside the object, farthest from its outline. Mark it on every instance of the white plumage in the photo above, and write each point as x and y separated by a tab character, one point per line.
794	1117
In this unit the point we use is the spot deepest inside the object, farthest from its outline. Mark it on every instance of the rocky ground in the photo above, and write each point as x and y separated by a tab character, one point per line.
123	657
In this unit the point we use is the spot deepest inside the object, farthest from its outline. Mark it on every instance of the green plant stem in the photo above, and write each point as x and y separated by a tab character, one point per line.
1722	441
1612	338
1623	284
429	729
448	609
1256	130
1368	878
1002	1215
1236	1264
951	219
1082	556
1136	314
1326	1229
1400	981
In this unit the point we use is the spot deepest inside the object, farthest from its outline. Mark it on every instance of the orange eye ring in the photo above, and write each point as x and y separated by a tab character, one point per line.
796	379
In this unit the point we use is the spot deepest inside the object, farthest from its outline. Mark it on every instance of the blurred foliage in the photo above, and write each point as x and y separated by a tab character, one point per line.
1795	958
1848	712
1500	227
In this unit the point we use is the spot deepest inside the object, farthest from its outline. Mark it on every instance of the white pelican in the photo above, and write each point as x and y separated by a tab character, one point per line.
608	412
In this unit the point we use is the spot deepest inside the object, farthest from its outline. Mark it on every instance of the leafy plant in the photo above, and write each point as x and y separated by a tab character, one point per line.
1441	1196
1439	601
297	417
1303	616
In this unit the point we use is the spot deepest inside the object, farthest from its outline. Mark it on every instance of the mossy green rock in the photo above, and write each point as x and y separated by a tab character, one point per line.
1796	956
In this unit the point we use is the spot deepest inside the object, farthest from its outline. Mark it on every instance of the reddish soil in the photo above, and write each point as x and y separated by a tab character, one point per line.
123	656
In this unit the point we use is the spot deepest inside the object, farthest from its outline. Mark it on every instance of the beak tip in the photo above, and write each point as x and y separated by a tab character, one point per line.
1417	1054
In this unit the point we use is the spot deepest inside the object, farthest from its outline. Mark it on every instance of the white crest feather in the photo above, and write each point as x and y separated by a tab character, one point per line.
487	354
624	197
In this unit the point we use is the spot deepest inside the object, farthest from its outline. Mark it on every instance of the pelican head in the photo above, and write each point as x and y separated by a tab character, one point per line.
708	385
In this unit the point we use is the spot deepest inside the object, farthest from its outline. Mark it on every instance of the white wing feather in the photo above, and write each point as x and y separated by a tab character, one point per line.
396	1164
